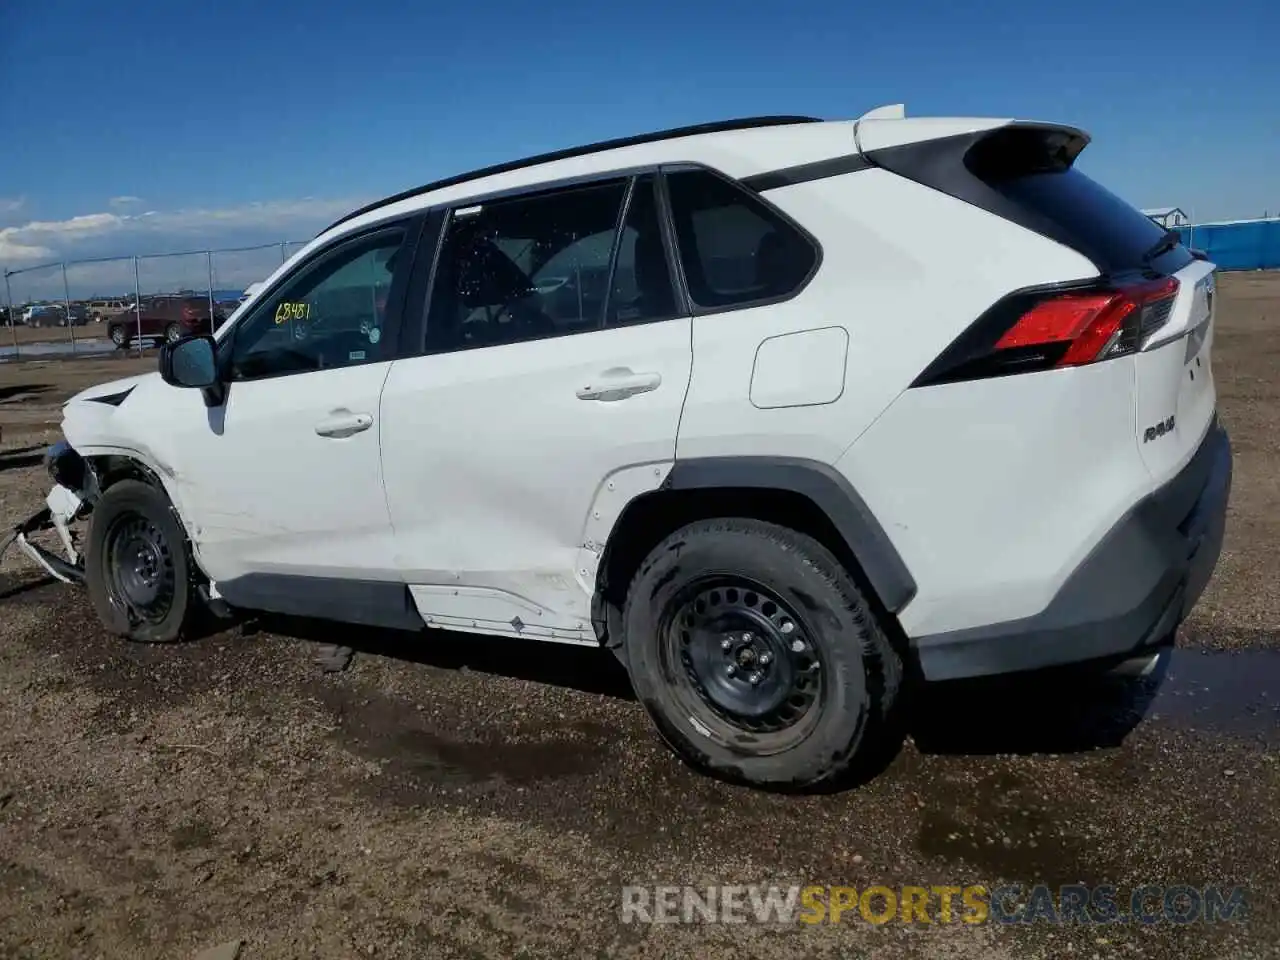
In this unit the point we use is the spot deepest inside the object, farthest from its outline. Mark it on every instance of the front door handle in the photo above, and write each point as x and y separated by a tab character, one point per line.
344	423
618	384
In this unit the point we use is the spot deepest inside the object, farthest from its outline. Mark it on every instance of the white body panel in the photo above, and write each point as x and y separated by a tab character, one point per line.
886	233
993	491
258	489
1174	376
494	466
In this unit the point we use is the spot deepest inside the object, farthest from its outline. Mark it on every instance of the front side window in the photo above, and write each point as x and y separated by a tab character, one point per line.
525	268
330	314
734	249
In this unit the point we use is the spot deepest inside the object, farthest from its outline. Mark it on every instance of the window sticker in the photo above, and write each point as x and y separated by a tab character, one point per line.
292	311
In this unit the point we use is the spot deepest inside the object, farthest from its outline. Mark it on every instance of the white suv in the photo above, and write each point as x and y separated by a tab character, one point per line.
782	411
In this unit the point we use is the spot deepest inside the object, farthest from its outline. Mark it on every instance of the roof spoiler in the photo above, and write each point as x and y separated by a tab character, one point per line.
971	166
890	111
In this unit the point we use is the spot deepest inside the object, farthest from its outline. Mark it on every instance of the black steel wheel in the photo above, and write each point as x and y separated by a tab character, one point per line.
137	566
740	656
140	568
757	656
173	333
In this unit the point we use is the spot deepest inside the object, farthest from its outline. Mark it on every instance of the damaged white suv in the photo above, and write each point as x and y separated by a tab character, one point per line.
779	410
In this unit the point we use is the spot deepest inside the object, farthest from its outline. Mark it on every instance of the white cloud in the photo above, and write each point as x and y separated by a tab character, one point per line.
125	201
118	234
106	234
16	253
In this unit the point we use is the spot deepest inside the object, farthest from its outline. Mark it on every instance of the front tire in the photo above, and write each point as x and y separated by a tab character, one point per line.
137	566
757	656
173	333
118	337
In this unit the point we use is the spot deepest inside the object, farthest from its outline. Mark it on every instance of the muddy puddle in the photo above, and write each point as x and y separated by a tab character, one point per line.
1234	693
1226	693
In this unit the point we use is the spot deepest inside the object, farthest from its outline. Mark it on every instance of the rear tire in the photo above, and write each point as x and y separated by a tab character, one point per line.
172	333
137	566
118	337
757	656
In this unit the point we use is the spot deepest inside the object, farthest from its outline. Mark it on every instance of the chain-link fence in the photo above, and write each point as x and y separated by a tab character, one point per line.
96	306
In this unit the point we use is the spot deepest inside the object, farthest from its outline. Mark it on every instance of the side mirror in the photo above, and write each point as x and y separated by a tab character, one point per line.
190	362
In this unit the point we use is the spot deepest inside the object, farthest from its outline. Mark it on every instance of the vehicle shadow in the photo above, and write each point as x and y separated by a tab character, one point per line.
1064	710
1068	710
28	456
17	392
11	586
587	669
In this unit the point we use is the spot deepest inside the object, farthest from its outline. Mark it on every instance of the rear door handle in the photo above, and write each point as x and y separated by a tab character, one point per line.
344	423
618	384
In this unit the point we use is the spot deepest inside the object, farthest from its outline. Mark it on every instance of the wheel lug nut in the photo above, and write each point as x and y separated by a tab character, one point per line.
731	670
755	679
748	637
726	644
766	659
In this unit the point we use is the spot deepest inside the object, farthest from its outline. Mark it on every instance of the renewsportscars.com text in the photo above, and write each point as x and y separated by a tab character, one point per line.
935	904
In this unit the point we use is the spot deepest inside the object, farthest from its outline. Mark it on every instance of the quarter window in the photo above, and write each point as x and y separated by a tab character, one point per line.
734	249
332	314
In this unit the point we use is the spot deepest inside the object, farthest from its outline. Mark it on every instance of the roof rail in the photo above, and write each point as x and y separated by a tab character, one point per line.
720	126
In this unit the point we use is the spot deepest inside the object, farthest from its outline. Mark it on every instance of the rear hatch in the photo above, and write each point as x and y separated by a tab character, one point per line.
1026	173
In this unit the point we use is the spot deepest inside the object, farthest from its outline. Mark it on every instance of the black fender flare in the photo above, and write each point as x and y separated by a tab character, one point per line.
830	491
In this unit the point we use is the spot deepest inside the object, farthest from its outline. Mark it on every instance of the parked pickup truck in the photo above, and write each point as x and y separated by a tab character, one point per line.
107	309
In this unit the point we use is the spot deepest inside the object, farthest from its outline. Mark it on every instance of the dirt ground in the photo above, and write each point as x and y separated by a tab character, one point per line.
451	796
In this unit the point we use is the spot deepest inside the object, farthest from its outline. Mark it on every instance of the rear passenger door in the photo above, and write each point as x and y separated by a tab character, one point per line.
553	368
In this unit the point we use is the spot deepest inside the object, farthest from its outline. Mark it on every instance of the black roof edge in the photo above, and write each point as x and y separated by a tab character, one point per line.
719	126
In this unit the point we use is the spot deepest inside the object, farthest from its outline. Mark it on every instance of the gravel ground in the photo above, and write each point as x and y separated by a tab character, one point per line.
452	796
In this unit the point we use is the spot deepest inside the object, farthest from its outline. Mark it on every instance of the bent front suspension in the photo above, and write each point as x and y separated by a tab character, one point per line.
60	509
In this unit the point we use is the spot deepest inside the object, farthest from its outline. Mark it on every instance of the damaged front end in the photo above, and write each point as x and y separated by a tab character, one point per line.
75	489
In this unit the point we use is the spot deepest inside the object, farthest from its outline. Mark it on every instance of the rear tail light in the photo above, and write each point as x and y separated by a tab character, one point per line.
1044	329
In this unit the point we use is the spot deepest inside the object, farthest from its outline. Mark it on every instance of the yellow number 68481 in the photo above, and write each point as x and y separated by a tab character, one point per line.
293	311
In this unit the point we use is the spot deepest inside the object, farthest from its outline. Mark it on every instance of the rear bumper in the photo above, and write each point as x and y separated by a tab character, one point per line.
1127	596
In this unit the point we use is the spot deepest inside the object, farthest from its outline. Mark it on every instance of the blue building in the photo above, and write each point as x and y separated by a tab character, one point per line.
1237	244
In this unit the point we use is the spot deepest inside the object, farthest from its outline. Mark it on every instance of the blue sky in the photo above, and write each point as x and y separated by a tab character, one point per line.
147	126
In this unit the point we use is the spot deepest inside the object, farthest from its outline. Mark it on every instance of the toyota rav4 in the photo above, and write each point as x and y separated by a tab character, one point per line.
779	410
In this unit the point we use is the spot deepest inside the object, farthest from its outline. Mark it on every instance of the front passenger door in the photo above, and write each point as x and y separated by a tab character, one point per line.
284	479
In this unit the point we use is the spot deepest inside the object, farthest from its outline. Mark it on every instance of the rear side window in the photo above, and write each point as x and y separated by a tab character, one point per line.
525	268
1110	229
642	290
735	249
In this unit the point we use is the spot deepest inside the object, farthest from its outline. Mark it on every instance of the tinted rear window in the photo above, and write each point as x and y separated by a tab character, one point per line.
1112	231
